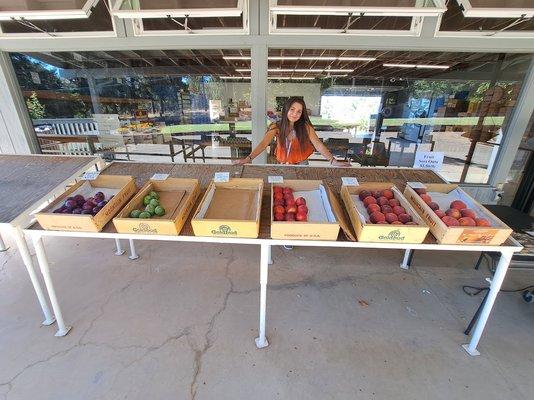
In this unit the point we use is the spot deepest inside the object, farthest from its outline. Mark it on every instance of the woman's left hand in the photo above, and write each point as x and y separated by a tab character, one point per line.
338	163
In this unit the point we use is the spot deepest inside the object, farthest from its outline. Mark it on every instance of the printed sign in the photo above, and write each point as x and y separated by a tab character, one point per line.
428	160
159	177
349	181
275	179
90	175
221	176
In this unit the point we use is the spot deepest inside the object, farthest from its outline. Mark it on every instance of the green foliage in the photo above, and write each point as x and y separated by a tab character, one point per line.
35	108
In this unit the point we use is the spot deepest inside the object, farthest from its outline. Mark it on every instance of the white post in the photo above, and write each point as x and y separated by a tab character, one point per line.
119	251
28	263
2	244
45	270
495	287
133	255
407	254
261	340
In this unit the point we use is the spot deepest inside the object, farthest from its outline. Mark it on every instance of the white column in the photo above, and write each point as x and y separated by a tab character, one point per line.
258	97
261	340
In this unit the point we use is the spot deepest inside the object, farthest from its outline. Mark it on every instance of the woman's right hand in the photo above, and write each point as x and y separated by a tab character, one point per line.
241	161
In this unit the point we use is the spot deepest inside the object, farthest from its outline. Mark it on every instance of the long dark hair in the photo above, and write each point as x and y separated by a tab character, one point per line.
301	126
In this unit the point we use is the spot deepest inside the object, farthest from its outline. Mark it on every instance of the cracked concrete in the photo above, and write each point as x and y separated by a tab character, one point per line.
180	323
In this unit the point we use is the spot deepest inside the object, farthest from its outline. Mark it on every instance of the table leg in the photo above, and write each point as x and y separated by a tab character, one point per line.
2	244
270	258
45	270
408	254
495	287
119	251
133	254
28	263
261	340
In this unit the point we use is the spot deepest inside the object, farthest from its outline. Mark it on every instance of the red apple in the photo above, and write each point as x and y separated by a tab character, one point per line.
454	213
277	189
279	209
390	217
363	194
369	200
467	221
278	196
404	218
288	196
300	201
433	205
450	221
394	202
388	194
291	209
290	217
290	202
372	208
279	202
420	191
377	216
439	213
287	190
482	222
458	204
426	198
383	200
302	209
376	194
467	212
302	216
399	210
386	209
279	217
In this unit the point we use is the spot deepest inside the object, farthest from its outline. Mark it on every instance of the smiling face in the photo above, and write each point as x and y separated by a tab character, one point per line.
295	112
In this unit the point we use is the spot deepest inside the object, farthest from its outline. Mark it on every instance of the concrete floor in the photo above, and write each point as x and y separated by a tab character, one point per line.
180	323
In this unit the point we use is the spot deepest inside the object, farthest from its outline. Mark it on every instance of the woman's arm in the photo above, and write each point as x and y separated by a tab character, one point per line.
267	139
321	148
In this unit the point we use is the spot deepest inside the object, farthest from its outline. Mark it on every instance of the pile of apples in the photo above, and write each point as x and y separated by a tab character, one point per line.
457	215
80	205
286	207
384	208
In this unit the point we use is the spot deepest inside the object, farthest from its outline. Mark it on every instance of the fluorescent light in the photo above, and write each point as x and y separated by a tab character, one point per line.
234	77
237	57
400	65
280	70
427	66
319	58
338	70
293	78
356	58
242	70
279	58
308	69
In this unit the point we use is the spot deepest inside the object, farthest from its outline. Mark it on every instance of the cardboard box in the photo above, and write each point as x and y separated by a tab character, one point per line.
444	194
381	233
121	187
322	221
230	209
177	197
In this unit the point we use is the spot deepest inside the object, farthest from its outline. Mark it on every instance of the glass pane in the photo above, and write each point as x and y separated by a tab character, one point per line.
162	24
339	22
98	21
357	3
146	5
40	5
157	105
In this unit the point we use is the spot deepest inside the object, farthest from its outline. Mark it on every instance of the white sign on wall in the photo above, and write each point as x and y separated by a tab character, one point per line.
429	160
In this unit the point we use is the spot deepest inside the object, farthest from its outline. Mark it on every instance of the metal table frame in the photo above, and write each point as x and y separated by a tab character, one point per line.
506	251
24	219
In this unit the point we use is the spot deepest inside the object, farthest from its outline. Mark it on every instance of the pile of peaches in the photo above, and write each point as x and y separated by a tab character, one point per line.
457	215
384	208
286	207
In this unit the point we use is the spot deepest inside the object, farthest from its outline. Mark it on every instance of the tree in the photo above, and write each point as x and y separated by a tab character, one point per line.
35	108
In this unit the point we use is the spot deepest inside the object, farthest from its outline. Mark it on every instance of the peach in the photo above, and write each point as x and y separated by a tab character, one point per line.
291	209
467	221
454	213
376	194
433	205
404	218
390	217
363	194
439	213
302	209
279	209
301	216
394	202
399	210
420	191
397	223
300	201
290	216
458	204
377	216
386	209
369	200
372	208
426	198
279	217
387	194
482	222
450	221
467	212
383	200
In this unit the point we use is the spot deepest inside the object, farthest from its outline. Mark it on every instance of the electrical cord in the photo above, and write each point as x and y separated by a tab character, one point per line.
474	290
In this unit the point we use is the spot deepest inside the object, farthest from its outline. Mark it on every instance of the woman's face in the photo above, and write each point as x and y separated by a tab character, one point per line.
295	112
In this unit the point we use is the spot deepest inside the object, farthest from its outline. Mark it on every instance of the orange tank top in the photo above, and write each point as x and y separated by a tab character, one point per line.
292	153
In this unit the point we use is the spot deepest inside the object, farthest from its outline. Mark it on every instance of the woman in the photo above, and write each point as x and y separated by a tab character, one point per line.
296	140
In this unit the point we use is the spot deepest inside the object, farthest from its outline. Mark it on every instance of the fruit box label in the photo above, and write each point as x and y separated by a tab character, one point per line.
393	236
145	228
476	236
302	235
224	230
